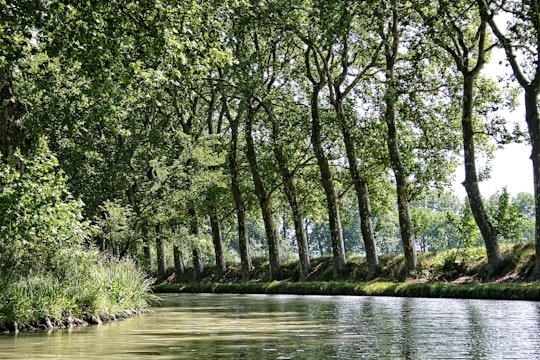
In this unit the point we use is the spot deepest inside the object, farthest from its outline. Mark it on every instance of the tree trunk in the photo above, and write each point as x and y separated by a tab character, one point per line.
531	86
272	234
362	194
338	248
12	134
219	252
239	203
161	251
292	196
179	267
489	232
533	123
198	266
400	173
149	258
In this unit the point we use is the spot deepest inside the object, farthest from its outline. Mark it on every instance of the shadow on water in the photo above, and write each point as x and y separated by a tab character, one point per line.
191	326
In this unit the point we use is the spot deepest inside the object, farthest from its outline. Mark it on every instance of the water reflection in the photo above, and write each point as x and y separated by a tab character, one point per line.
300	327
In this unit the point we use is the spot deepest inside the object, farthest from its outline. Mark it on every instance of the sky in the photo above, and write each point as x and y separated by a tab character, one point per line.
511	167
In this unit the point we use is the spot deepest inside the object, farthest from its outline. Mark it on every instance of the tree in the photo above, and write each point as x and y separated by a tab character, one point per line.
291	192
521	43
340	84
264	196
18	21
457	28
391	40
238	197
39	218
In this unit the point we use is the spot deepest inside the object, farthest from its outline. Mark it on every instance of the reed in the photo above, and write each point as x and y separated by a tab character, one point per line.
92	286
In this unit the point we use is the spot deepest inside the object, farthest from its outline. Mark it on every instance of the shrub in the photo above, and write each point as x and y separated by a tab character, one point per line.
38	216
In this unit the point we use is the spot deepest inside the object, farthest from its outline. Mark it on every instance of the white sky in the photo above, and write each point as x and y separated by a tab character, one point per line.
511	168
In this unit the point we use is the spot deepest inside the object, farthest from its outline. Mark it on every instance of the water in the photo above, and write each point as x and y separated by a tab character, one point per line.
189	326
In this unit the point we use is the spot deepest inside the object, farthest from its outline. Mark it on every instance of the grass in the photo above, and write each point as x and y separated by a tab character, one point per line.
452	273
88	287
499	291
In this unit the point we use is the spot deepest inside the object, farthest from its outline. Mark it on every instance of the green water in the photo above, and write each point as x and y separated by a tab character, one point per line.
187	326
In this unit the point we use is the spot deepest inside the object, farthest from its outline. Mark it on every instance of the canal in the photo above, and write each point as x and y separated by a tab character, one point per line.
203	326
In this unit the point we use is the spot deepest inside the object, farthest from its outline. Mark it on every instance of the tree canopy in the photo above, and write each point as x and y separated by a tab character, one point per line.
208	130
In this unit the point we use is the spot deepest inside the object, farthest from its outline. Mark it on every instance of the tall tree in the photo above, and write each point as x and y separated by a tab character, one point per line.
18	20
315	74
291	192
390	35
342	77
263	195
238	197
458	29
521	43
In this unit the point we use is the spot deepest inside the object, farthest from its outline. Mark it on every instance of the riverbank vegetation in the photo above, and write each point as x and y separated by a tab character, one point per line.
50	275
218	132
455	273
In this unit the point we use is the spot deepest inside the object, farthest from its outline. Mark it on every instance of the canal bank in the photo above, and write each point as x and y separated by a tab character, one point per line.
450	274
495	291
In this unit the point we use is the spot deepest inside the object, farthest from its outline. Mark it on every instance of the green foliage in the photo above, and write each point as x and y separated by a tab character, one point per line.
116	227
45	270
134	98
38	216
511	215
87	283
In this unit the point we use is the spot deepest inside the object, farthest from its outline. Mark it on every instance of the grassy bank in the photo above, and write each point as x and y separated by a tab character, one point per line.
454	273
92	290
499	291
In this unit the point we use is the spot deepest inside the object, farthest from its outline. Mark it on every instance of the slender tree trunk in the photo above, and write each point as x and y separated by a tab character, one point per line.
215	222
12	134
533	123
362	194
239	203
272	234
219	252
531	86
338	248
161	251
149	258
400	173
489	232
179	267
147	248
301	238
198	265
292	197
402	184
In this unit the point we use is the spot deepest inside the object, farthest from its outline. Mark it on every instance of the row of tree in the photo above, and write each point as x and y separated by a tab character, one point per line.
218	112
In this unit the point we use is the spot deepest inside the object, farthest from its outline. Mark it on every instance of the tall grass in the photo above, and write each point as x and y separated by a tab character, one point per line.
83	284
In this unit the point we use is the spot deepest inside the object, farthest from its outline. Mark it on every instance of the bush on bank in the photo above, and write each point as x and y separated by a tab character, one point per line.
48	273
88	288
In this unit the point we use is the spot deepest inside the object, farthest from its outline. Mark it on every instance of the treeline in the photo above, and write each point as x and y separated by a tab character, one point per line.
212	131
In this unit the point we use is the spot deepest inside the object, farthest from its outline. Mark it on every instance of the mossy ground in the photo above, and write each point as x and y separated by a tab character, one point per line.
454	273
